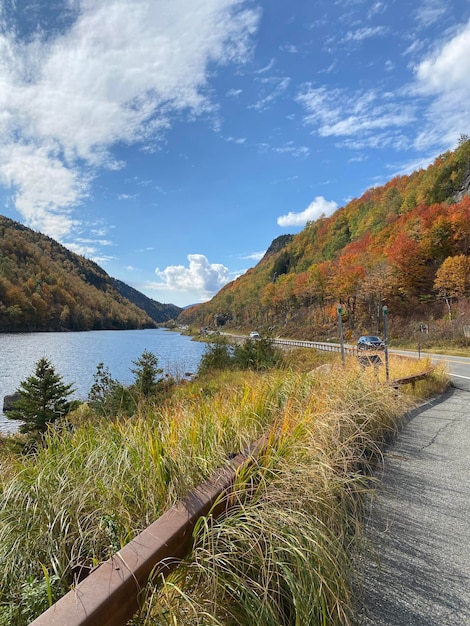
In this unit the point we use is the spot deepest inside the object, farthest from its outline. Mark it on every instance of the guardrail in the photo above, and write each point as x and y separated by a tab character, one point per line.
318	345
110	595
411	380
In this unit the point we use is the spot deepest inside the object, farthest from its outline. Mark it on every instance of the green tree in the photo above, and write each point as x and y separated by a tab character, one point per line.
258	354
146	374
44	398
217	356
107	397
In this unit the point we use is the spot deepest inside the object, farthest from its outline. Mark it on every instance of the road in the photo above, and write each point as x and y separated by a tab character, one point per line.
415	567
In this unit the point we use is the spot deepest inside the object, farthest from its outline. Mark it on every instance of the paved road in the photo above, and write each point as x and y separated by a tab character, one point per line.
415	569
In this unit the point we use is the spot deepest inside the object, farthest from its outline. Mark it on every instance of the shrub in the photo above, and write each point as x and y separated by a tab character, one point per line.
107	397
217	356
257	354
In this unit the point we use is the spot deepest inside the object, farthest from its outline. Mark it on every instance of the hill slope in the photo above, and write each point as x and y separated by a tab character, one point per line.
44	286
406	244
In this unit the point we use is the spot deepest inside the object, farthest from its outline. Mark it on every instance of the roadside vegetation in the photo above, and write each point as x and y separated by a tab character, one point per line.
280	556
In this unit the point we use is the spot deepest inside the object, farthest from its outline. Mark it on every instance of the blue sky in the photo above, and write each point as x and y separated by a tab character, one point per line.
173	140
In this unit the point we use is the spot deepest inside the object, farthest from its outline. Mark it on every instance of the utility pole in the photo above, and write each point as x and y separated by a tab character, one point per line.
340	326
385	311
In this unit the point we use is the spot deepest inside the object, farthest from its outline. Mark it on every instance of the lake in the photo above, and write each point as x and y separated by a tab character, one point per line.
76	355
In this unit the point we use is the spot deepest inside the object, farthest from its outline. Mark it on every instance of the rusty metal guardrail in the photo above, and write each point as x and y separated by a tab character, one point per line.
110	595
411	380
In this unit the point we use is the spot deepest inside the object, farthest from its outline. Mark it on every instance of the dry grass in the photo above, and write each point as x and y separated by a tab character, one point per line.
280	557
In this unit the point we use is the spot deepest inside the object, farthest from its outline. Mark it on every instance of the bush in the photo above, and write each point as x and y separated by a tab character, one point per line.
217	356
252	354
258	354
107	397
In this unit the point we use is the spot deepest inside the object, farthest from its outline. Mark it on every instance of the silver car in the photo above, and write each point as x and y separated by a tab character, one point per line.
370	342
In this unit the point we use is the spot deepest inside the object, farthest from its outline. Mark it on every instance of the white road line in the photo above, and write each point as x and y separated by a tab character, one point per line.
458	376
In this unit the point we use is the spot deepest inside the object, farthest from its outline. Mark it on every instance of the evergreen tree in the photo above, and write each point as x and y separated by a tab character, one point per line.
107	397
146	374
43	399
259	354
217	356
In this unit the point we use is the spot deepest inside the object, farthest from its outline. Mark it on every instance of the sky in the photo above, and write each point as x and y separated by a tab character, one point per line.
172	140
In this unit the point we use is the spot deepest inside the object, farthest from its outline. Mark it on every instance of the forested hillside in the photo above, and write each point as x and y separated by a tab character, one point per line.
405	244
44	286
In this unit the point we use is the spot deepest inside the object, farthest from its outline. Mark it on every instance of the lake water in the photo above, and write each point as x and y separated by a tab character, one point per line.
76	355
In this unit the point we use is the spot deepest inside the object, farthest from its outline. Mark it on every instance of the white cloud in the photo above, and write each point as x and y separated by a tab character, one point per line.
430	12
254	256
318	207
444	76
449	68
365	33
201	278
115	75
377	8
275	88
290	148
341	113
238	140
289	48
431	111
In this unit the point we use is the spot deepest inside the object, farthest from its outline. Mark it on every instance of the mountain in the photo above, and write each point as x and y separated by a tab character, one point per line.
44	287
405	244
155	310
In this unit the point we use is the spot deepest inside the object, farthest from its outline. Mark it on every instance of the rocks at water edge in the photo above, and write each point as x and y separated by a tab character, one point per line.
9	401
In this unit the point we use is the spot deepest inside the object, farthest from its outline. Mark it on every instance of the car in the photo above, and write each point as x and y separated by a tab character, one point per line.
370	342
254	335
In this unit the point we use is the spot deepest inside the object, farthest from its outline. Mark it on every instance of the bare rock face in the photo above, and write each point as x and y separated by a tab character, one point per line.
465	187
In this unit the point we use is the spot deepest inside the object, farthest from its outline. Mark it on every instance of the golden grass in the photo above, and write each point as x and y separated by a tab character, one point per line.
281	556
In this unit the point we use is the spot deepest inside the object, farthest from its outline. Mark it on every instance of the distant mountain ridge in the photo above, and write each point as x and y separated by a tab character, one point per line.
44	286
405	244
156	310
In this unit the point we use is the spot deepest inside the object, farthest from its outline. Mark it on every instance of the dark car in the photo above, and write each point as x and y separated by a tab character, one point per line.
370	342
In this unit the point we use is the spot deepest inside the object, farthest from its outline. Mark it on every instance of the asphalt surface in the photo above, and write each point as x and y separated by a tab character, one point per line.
415	567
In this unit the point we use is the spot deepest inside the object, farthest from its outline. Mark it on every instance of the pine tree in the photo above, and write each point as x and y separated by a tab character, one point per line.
146	374
43	399
107	397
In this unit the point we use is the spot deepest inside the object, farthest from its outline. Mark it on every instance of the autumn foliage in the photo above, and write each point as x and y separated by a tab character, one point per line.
405	244
44	286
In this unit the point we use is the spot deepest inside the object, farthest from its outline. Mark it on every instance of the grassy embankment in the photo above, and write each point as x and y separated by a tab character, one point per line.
282	555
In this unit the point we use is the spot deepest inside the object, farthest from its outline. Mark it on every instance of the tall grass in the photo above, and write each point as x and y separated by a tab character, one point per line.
280	557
